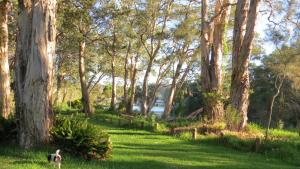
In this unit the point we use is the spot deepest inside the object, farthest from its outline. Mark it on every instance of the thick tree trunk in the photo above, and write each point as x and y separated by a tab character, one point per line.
84	89
169	102
33	71
145	104
4	66
212	53
244	23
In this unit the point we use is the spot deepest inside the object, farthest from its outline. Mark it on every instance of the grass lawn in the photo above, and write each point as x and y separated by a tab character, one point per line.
138	149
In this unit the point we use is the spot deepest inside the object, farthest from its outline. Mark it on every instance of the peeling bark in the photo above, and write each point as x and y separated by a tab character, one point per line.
33	70
4	65
212	40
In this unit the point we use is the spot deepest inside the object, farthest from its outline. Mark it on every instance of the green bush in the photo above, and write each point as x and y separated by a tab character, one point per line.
232	118
78	136
8	129
64	109
76	104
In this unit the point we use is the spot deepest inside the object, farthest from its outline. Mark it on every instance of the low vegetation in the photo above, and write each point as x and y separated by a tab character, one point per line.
136	149
77	136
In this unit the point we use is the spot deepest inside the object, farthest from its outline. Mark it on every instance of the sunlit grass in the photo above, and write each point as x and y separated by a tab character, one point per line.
139	149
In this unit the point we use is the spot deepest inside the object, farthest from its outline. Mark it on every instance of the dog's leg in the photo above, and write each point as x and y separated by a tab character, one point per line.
58	165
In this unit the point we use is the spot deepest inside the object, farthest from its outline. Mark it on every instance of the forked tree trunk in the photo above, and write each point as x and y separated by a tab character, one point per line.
169	102
84	89
133	71
243	34
278	88
145	104
212	40
33	71
4	66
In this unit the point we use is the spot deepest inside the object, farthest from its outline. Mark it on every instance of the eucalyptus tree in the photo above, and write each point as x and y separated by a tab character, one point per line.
212	42
4	65
243	34
78	26
184	50
285	64
153	17
33	70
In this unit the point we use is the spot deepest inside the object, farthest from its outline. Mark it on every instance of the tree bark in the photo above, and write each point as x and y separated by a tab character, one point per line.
126	76
169	102
133	72
113	60
212	40
144	105
84	89
33	71
244	23
278	88
4	65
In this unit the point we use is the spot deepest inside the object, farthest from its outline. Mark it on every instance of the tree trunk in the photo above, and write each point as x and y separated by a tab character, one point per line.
126	76
278	87
33	71
244	23
4	66
144	105
133	72
113	89
84	89
169	102
212	53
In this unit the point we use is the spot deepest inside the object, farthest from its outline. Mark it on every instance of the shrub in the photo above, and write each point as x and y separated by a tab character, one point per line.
185	135
8	129
78	136
232	118
76	104
64	109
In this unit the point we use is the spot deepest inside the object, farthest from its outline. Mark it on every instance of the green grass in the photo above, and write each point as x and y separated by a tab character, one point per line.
138	149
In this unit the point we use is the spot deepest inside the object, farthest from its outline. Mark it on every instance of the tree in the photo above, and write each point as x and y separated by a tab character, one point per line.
243	34
212	40
151	34
33	71
4	65
77	26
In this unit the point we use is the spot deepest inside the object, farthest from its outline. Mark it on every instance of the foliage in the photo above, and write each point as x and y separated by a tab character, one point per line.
232	118
76	104
8	129
78	136
64	109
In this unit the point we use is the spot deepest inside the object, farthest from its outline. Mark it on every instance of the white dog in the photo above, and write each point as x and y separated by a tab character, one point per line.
55	158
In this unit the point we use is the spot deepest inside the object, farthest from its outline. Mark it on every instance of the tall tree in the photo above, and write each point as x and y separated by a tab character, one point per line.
152	33
212	40
4	66
33	71
243	34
